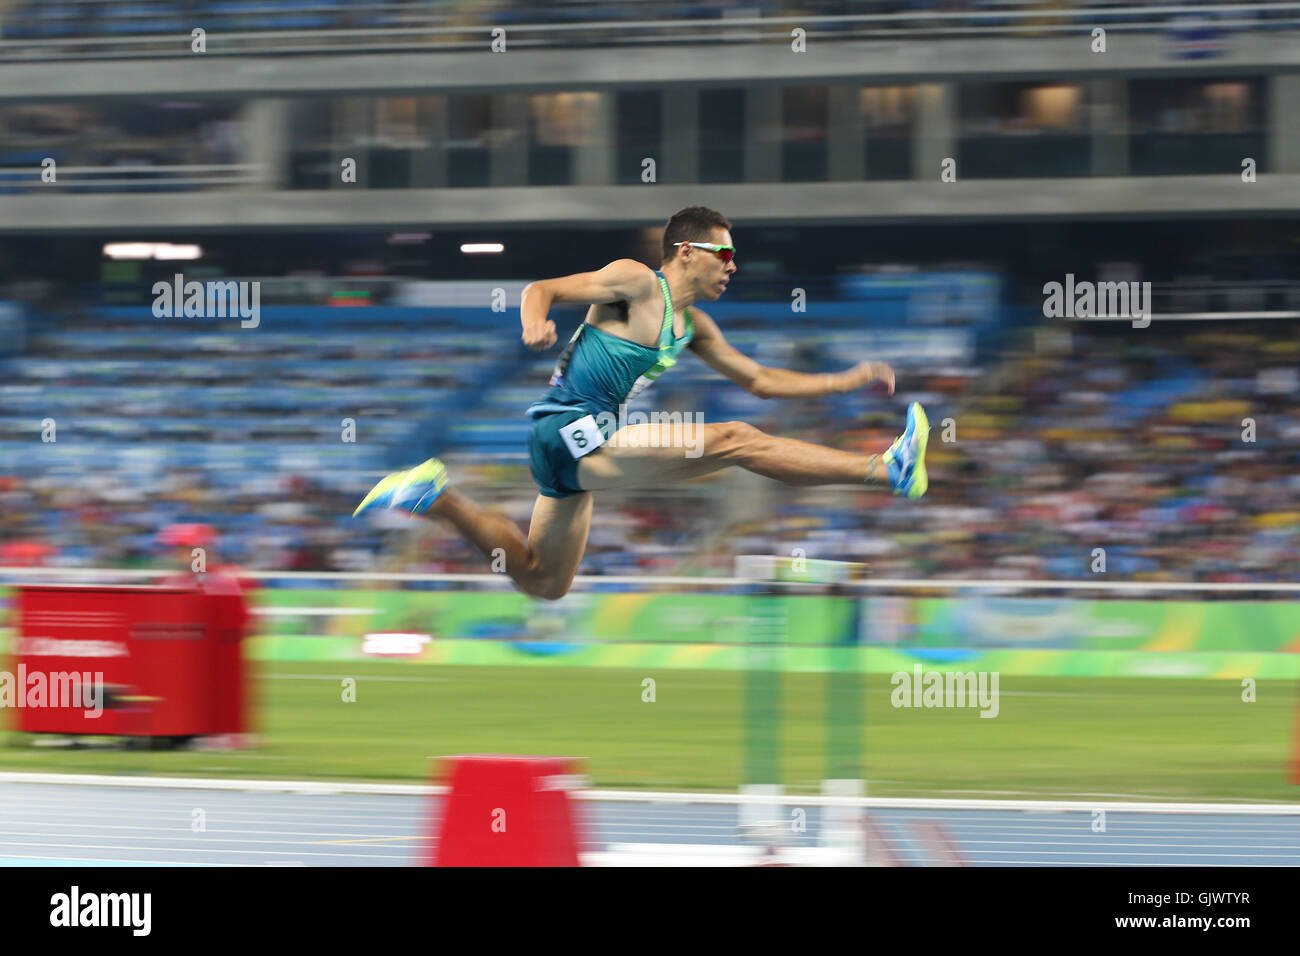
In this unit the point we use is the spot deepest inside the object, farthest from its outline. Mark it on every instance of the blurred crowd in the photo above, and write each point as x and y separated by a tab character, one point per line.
1163	454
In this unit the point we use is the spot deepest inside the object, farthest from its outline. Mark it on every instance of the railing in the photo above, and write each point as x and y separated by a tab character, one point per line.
422	31
1277	589
147	177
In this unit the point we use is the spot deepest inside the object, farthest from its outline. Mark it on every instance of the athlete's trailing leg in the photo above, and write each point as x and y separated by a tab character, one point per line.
542	564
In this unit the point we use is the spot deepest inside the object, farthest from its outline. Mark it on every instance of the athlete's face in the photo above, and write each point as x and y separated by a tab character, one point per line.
709	274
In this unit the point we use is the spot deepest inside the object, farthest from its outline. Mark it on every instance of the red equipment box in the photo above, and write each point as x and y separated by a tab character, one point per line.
507	810
165	661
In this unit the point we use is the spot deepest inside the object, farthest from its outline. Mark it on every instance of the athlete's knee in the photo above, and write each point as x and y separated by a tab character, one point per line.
546	588
735	439
552	590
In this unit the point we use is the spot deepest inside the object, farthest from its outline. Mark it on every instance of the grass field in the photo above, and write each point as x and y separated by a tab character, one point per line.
1053	737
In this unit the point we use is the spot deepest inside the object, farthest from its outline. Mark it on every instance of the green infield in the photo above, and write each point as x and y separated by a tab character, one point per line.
1090	738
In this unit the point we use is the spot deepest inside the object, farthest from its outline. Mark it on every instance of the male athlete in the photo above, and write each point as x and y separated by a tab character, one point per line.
640	320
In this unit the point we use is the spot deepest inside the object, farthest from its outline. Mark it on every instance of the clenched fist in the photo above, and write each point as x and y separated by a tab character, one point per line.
541	336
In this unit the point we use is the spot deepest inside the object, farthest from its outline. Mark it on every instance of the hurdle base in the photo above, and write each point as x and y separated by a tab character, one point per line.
760	822
842	829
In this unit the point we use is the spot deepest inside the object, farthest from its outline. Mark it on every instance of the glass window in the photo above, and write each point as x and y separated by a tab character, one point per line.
889	117
469	136
396	122
1010	130
563	119
1192	126
722	135
469	119
804	113
640	133
559	123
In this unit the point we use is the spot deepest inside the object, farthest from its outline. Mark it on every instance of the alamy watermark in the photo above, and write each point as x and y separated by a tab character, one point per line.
685	429
62	689
208	300
1098	300
950	689
74	908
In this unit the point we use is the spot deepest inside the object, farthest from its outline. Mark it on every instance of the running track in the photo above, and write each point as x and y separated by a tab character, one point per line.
48	824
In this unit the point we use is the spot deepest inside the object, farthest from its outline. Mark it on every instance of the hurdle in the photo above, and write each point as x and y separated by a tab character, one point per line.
767	581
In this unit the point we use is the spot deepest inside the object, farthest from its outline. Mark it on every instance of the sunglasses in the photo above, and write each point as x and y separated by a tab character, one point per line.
725	253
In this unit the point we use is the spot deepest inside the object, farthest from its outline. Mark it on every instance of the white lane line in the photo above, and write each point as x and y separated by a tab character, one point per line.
182	851
38	826
1113	829
1166	845
196	798
654	797
214	811
71	860
1147	854
183	819
362	678
232	846
220	783
1126	863
19	793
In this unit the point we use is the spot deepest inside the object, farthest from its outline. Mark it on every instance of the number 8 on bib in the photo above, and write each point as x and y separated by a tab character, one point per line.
582	437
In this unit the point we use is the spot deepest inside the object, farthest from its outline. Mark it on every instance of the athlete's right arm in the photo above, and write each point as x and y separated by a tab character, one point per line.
623	280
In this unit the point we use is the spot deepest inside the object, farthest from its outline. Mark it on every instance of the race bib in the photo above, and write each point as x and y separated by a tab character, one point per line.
582	437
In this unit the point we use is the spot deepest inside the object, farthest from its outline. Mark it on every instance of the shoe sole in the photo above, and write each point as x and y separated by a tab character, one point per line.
391	484
920	480
376	492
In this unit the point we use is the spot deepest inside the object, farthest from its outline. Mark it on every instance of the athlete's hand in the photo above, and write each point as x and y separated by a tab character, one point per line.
864	373
540	337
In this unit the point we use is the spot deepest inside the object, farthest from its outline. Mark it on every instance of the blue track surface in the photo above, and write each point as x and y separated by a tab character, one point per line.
45	825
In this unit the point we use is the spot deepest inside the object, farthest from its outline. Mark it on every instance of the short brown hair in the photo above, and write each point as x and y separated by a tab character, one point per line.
692	224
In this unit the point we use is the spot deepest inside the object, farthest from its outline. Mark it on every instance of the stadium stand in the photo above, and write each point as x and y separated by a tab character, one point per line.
1077	437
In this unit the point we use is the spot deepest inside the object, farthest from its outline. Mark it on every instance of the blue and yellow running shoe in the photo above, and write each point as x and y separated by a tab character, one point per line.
906	456
412	490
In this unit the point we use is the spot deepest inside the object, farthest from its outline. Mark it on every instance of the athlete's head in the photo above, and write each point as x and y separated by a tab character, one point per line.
706	269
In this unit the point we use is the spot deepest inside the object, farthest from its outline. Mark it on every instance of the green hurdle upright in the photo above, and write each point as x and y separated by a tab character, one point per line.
842	825
768	581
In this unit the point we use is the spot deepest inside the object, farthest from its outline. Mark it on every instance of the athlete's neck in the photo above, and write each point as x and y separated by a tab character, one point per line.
678	287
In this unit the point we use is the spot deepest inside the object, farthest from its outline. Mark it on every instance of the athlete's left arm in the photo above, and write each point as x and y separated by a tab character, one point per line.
766	382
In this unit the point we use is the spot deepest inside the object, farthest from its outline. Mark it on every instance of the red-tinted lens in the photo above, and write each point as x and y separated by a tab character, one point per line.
726	255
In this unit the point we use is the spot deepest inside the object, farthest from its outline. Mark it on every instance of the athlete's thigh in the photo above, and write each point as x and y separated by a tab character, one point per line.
646	454
557	534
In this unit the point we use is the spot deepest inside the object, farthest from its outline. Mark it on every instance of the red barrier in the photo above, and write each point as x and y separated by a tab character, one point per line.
169	661
508	811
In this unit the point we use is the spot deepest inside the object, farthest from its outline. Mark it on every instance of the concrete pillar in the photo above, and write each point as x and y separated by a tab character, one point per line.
846	135
763	134
266	141
681	114
429	164
1283	131
936	130
351	126
1108	119
595	159
508	161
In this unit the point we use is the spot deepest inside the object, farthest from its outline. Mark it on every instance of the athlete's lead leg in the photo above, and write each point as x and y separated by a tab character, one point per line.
640	455
644	454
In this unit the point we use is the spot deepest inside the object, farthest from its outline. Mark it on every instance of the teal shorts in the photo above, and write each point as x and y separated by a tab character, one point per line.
554	468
